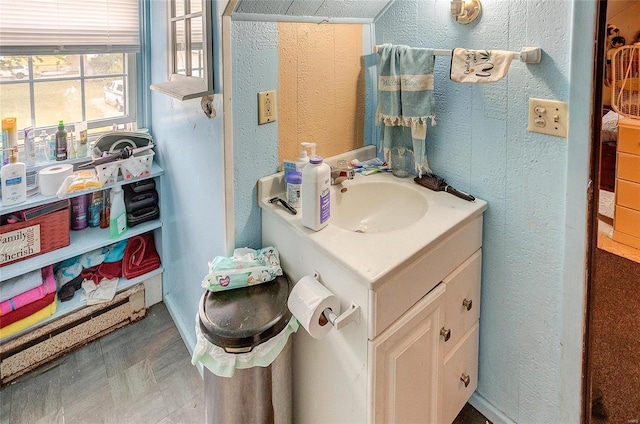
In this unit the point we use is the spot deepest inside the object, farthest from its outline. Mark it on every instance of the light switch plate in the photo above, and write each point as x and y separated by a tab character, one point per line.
267	108
548	117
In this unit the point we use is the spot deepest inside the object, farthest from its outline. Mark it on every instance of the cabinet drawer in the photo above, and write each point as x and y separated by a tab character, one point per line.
629	136
627	221
628	195
462	299
628	167
460	375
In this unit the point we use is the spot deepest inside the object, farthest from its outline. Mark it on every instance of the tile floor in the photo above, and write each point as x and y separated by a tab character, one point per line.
138	374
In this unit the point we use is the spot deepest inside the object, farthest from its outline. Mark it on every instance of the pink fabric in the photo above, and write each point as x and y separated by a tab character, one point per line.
47	287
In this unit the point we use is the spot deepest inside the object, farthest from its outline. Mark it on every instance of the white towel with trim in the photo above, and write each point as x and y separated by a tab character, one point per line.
479	66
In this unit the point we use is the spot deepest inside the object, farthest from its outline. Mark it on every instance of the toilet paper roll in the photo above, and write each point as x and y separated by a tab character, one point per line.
50	179
307	301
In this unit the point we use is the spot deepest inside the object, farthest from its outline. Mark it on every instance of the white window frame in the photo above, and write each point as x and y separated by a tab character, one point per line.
184	87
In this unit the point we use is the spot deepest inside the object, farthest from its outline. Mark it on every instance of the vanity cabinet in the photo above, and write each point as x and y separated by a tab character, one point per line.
626	221
425	365
413	357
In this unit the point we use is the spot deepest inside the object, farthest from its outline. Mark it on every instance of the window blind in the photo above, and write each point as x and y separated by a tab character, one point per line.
68	26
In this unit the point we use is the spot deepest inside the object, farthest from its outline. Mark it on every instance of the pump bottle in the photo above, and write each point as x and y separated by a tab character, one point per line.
316	205
14	180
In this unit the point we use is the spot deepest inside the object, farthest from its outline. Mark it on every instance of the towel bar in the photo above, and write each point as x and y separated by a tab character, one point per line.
526	54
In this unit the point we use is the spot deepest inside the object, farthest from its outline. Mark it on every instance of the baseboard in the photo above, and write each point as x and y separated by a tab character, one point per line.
488	410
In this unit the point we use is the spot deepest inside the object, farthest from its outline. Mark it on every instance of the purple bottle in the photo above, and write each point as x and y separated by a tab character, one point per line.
79	211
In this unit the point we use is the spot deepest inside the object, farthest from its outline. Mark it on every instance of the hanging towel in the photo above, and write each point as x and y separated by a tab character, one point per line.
405	101
479	66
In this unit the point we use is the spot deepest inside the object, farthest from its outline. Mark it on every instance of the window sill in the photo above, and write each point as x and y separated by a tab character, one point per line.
183	88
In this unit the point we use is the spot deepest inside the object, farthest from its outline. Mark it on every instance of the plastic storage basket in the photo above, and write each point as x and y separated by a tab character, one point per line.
108	172
137	166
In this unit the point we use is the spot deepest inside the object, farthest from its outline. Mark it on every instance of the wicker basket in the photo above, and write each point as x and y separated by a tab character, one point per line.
34	237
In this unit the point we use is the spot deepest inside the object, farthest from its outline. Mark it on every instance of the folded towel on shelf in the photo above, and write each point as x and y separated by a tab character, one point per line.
140	256
405	101
32	319
479	66
27	310
16	302
20	284
99	293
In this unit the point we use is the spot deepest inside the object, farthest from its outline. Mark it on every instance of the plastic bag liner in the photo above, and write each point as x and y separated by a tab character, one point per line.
224	364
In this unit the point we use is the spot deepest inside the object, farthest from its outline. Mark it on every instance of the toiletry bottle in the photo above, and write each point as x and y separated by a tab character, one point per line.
81	139
95	205
71	145
294	185
79	211
61	142
14	180
29	146
51	147
303	158
10	125
316	205
118	217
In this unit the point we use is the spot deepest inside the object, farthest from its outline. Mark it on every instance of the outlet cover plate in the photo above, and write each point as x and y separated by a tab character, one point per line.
548	117
267	108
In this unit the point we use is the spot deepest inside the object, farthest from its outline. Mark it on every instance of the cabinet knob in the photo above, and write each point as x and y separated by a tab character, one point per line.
465	379
446	333
468	304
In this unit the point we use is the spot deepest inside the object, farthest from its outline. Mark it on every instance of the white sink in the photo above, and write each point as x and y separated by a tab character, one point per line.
379	223
367	206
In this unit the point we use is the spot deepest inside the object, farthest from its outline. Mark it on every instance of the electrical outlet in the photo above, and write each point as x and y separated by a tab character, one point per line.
548	117
267	109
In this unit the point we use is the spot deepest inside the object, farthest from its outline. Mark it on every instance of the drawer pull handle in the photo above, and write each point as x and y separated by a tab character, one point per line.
446	333
465	379
468	304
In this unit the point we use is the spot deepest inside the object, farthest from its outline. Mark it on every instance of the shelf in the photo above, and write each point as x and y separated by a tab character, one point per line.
65	308
80	242
39	199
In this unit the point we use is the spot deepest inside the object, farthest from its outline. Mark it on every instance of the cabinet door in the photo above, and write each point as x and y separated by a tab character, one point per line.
406	368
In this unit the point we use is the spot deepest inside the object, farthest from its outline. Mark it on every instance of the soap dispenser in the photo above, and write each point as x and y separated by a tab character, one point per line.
303	159
14	180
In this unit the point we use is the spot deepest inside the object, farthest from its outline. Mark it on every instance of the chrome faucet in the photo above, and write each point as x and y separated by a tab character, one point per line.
341	172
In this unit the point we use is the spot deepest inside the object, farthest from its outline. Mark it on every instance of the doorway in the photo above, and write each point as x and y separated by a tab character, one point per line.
612	361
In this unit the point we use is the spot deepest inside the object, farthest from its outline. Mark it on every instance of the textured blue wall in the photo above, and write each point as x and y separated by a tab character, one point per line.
255	147
190	149
481	145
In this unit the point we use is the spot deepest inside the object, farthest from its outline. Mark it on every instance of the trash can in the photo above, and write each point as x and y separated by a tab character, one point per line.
243	343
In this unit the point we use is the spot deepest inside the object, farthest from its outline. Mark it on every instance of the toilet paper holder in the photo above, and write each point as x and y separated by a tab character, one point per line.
350	315
339	321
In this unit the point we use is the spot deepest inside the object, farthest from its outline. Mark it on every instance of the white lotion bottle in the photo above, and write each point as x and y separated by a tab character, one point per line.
14	180
316	202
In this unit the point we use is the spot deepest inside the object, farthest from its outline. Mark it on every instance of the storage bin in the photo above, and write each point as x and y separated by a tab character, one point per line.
34	237
108	172
137	166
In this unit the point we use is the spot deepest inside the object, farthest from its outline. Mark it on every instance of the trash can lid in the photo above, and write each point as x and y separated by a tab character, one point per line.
238	320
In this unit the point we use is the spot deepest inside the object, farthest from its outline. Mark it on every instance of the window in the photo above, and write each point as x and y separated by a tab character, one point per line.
191	50
80	65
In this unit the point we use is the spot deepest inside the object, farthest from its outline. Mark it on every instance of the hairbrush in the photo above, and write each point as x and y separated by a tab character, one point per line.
436	183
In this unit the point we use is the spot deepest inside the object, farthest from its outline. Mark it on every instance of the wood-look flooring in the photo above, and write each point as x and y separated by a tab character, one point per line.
138	374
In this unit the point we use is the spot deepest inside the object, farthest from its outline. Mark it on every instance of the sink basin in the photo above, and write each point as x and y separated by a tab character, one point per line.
376	207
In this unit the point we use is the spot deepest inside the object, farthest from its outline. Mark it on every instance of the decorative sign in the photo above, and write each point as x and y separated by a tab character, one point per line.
19	244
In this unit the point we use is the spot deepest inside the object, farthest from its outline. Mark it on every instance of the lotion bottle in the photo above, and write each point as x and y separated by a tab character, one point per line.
118	214
14	180
316	202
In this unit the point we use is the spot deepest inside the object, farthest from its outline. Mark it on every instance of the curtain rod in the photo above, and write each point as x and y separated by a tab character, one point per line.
526	54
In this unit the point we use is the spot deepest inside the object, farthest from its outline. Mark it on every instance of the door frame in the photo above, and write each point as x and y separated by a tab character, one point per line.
600	37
